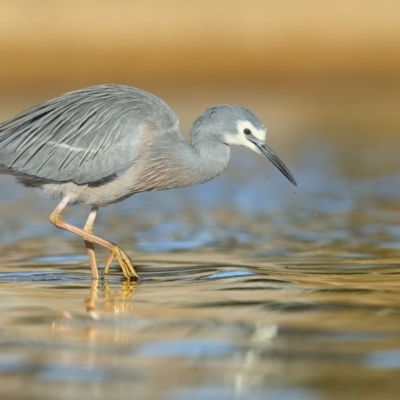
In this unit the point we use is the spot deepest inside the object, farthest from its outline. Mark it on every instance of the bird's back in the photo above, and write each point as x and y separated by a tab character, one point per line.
87	136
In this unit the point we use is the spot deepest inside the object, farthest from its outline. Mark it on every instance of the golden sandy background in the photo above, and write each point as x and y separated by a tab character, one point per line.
51	40
306	67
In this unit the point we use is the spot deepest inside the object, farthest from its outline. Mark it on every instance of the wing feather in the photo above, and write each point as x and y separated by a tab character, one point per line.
86	136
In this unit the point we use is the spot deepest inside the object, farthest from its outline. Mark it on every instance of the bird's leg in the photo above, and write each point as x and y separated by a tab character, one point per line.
119	255
89	245
107	264
126	265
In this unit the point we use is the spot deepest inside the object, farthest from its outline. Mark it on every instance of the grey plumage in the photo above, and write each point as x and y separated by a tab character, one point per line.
83	137
100	145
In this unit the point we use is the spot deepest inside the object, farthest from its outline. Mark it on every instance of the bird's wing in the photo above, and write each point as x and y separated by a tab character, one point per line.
87	136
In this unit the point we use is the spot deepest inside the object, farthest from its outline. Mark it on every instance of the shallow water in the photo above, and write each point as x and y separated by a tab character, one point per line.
251	288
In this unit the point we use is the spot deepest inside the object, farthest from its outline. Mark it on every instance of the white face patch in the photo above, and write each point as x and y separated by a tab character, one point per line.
240	138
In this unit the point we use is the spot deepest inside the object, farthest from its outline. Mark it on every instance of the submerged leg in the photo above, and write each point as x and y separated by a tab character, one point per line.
89	245
124	261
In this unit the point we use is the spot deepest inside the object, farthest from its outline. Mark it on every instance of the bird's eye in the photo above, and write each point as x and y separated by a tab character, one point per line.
247	131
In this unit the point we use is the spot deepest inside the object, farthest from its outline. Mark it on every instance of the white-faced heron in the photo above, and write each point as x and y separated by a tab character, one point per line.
100	145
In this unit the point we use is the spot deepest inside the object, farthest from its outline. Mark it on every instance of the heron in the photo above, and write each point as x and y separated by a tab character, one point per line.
102	144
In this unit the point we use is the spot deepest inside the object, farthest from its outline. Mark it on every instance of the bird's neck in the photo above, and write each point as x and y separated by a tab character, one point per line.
177	163
210	158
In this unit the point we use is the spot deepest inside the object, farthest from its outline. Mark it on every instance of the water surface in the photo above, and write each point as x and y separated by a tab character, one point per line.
251	288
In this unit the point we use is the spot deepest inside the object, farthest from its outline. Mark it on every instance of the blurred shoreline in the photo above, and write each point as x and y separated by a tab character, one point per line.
206	42
314	71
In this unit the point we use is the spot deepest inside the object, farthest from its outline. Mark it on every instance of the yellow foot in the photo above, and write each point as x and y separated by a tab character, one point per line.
125	263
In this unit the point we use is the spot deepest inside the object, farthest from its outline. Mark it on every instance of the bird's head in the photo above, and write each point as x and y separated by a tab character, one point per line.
235	125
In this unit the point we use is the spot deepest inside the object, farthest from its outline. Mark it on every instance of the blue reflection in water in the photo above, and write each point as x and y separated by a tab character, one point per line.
75	373
384	359
229	274
250	188
243	393
186	348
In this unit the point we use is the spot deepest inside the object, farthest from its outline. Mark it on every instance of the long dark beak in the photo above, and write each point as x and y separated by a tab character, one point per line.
267	152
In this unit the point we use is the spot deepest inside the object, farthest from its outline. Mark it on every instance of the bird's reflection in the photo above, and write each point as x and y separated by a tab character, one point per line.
104	299
115	301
